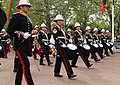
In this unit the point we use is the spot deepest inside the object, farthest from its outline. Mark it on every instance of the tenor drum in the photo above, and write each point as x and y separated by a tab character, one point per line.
95	45
87	47
100	45
111	43
72	46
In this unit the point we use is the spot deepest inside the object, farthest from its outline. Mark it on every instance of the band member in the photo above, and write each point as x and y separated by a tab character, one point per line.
96	42
60	44
108	39
72	53
90	42
3	20
79	42
20	27
5	42
103	41
44	43
36	46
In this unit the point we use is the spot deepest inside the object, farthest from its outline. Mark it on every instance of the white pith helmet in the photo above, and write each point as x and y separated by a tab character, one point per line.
77	24
23	2
43	25
3	30
107	31
95	29
59	17
88	28
36	26
68	30
103	30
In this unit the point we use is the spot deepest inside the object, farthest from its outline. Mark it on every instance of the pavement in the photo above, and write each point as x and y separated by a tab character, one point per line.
105	72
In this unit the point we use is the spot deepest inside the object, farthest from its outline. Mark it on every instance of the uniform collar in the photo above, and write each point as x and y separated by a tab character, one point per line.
23	13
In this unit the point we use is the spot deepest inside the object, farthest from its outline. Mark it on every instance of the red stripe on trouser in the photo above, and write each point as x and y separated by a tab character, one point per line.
83	57
23	66
5	53
44	49
65	62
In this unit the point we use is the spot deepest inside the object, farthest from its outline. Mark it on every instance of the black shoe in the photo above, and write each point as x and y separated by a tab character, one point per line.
0	63
98	60
107	55
74	66
88	60
42	64
112	53
36	58
58	75
15	70
72	76
89	65
50	63
102	56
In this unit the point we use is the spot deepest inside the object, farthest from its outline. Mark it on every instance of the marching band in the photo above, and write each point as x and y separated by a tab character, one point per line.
66	46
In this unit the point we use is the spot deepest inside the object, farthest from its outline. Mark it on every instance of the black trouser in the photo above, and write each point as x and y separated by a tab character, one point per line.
23	69
16	61
5	49
72	55
45	53
93	51
34	53
100	52
106	48
84	55
2	54
110	49
63	57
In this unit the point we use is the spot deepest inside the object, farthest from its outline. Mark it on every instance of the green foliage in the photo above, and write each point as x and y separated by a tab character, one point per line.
86	12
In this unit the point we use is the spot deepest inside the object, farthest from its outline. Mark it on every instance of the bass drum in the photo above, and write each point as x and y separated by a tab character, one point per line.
1	47
95	45
87	47
72	46
100	45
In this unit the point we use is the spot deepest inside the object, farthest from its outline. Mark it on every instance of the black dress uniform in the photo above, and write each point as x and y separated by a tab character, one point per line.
5	42
2	47
82	51
72	54
44	43
96	40
103	41
92	48
19	24
3	19
108	41
59	37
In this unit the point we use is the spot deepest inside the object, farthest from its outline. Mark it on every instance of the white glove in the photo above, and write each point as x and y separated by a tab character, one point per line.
63	45
70	40
26	35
